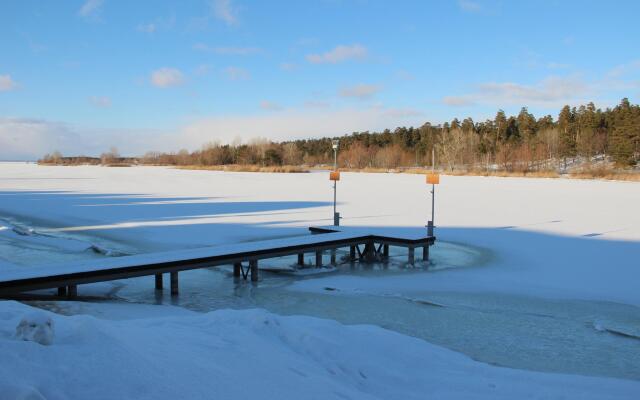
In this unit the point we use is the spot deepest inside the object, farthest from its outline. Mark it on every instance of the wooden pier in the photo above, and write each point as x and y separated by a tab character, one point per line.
365	245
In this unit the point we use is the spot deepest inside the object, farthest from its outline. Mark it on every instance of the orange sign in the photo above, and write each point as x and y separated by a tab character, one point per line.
433	179
334	175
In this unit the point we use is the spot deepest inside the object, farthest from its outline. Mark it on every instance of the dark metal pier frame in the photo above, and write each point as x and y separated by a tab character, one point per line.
375	247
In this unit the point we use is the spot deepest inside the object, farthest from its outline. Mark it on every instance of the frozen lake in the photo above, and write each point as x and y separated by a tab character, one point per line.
532	274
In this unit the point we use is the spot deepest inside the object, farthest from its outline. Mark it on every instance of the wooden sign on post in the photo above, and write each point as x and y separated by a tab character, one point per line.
334	175
433	179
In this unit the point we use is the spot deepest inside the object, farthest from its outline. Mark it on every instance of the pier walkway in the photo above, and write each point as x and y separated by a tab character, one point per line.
365	245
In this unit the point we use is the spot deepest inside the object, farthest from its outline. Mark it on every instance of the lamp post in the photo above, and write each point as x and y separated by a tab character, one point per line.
433	179
336	215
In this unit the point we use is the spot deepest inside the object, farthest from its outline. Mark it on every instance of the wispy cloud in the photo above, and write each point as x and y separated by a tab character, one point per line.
147	28
167	77
557	65
551	92
288	67
360	91
339	54
224	11
7	83
270	105
236	73
469	6
157	25
624	69
100	101
458	101
202	70
404	75
234	51
90	8
316	104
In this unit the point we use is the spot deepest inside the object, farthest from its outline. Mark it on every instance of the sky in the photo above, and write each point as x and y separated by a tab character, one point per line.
81	76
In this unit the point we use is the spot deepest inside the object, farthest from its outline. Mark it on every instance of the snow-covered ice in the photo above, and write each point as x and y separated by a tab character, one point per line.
252	353
534	274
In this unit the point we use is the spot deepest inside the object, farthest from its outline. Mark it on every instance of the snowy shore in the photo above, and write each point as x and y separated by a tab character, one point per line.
554	240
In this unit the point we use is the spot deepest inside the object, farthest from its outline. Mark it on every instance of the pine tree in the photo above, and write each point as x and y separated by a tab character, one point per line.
566	127
621	139
526	124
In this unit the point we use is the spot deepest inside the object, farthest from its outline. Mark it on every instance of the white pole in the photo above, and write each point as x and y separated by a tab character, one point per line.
335	183
336	219
433	186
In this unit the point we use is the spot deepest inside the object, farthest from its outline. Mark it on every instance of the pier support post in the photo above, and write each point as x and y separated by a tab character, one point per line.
318	259
72	291
352	253
158	281
411	256
300	259
425	253
174	283
62	291
333	256
385	251
369	252
253	266
237	267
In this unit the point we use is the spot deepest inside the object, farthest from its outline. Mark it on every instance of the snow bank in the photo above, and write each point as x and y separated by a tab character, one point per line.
36	327
240	354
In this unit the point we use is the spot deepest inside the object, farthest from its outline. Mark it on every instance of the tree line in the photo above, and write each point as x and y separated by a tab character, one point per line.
518	143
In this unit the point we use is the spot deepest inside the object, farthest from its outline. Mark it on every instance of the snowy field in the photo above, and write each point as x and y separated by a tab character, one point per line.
532	291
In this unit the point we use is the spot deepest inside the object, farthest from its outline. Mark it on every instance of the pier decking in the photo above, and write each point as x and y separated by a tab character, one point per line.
243	256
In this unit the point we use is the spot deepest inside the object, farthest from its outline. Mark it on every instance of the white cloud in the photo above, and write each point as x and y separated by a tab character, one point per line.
295	124
469	6
235	51
167	77
270	106
553	91
147	28
458	100
100	101
339	54
236	73
7	83
90	8
224	11
361	91
29	139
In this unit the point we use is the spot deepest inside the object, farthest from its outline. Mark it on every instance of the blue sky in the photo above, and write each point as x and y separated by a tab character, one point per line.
80	76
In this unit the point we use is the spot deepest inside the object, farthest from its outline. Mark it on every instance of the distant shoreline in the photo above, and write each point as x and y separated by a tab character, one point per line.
595	173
